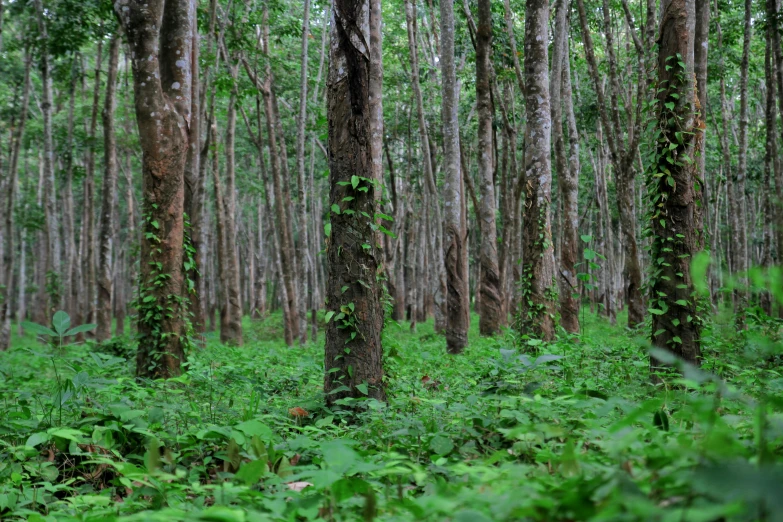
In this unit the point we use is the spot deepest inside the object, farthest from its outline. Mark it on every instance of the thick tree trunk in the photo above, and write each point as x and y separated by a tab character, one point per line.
677	226
538	276
490	291
9	252
162	74
108	198
353	354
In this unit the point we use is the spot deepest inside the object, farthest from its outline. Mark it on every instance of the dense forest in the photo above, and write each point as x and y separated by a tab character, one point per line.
460	260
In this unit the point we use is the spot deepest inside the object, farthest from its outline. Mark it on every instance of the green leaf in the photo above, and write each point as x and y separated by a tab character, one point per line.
441	445
37	438
251	472
586	238
328	316
336	208
38	328
655	311
328	229
61	322
363	388
354	181
80	329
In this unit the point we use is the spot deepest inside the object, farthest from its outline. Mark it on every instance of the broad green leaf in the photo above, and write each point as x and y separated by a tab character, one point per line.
38	328
61	322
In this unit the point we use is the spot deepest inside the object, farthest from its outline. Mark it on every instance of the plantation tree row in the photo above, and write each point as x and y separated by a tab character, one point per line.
195	162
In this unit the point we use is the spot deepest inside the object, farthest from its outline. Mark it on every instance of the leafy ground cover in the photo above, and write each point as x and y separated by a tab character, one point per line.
511	430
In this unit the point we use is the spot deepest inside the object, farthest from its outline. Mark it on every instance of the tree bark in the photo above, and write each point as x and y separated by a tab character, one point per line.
301	207
677	226
53	254
231	318
87	245
491	293
429	170
353	354
622	154
162	74
108	199
567	188
455	234
538	277
9	252
740	262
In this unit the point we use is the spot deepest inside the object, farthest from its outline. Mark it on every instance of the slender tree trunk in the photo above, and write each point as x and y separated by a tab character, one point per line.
353	354
87	245
301	207
740	233
569	190
283	227
569	305
53	255
538	276
773	13
490	291
9	252
162	74
195	189
677	328
231	319
69	232
105	276
429	172
455	234
771	159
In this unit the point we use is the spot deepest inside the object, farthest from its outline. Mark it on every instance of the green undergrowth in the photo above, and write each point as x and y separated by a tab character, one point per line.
511	430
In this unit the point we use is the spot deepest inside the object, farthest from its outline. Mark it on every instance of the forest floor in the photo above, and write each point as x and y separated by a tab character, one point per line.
511	430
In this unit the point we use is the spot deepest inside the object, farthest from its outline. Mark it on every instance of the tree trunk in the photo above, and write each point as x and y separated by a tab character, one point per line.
231	319
301	208
455	233
108	199
53	254
284	226
677	225
771	165
538	276
569	305
439	281
162	74
740	263
353	354
195	193
490	291
9	252
87	245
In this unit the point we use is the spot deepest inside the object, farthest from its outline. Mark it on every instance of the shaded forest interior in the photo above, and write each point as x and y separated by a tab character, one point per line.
482	242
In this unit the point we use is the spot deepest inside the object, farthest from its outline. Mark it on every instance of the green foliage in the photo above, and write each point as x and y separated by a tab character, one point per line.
573	433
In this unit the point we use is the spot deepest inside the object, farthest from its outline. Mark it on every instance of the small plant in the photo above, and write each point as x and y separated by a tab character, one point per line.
589	278
61	328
